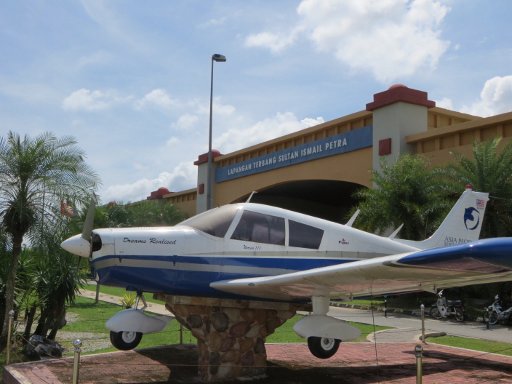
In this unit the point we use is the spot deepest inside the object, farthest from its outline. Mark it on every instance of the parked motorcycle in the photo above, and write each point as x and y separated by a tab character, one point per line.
495	312
444	308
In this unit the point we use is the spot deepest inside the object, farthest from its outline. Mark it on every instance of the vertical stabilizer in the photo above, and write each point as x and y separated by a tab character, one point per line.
462	224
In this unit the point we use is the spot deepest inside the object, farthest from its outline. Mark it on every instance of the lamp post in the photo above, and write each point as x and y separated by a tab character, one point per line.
219	58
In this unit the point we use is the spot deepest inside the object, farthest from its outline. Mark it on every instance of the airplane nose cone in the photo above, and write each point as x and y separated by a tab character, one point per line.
77	245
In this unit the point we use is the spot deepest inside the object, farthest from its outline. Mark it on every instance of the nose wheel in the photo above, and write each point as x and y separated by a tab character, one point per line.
125	340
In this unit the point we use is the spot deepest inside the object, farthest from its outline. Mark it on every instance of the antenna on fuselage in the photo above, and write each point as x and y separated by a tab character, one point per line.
353	218
250	196
395	232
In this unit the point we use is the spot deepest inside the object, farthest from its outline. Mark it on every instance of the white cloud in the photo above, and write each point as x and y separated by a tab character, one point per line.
183	176
281	124
157	97
185	122
495	98
275	42
445	102
115	23
391	39
214	22
172	142
218	108
87	100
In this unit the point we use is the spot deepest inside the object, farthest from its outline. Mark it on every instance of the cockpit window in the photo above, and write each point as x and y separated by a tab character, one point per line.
260	228
305	236
214	222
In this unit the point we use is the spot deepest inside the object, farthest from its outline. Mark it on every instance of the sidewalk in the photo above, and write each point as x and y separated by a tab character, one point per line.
355	363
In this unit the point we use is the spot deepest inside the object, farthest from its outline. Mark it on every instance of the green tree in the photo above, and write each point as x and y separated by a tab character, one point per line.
147	213
488	170
407	192
36	174
48	279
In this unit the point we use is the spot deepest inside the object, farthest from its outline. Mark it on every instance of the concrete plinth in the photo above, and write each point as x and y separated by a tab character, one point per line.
231	333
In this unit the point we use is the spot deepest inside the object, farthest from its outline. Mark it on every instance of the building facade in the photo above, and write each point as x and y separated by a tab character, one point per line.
316	170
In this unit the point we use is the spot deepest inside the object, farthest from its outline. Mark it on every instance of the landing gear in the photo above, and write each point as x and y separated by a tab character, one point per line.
323	347
127	326
125	340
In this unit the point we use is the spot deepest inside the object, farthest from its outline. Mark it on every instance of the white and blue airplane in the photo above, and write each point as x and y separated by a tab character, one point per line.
259	252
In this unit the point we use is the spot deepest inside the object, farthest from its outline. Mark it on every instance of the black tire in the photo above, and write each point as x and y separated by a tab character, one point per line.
493	318
434	313
323	347
459	314
125	340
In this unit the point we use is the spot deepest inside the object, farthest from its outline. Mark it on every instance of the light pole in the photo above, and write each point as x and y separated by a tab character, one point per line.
219	58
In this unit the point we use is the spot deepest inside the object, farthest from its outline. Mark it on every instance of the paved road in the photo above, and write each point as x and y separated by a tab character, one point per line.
408	328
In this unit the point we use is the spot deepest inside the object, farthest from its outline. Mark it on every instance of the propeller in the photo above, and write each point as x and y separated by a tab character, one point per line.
89	220
81	245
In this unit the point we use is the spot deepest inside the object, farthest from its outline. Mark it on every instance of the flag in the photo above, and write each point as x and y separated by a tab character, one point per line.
66	209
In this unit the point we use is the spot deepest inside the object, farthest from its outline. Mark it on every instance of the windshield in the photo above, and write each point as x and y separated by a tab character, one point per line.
214	222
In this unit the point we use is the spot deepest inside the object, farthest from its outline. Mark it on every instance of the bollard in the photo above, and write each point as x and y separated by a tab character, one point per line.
422	309
181	333
418	351
97	297
9	333
385	307
76	361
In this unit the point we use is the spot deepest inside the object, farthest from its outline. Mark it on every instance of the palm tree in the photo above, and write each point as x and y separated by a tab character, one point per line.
35	176
489	170
406	192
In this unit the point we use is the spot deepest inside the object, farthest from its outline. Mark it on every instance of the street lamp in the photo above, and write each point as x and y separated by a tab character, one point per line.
219	58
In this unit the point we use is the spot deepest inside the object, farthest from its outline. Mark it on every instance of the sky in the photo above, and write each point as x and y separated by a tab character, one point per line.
130	80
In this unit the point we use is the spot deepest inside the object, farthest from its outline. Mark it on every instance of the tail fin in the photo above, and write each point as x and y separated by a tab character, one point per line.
462	224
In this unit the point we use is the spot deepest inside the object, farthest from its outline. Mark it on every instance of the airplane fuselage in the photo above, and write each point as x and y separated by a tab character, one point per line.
256	240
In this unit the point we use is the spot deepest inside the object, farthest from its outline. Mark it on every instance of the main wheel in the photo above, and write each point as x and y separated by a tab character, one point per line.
493	318
125	340
434	312
459	314
323	347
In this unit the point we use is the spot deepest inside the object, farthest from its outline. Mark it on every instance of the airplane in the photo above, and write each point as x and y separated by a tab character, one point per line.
258	252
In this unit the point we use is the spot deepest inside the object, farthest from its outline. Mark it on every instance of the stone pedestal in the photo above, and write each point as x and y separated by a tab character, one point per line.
230	333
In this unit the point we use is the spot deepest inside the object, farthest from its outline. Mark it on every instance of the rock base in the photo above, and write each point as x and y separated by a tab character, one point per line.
230	333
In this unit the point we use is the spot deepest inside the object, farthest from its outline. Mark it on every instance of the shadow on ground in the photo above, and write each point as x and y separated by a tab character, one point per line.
362	363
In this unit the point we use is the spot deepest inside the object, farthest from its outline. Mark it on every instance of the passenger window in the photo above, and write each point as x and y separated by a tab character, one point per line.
305	236
260	228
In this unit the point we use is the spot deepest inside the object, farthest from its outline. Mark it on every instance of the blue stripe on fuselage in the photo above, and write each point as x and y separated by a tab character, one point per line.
179	281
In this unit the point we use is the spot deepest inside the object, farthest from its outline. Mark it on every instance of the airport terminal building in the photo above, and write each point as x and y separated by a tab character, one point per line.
316	170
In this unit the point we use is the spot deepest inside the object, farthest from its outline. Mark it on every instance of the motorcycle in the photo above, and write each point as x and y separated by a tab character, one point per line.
495	312
444	308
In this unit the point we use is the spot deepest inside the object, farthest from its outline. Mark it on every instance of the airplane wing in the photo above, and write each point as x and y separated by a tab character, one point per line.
482	261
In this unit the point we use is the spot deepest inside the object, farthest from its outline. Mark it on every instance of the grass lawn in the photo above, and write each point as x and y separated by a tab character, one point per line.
486	346
89	319
115	291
